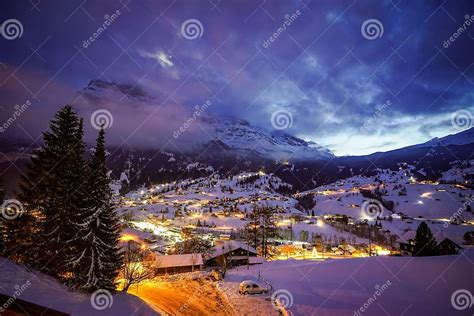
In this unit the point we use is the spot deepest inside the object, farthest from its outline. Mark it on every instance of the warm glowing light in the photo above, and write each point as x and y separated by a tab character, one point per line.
128	237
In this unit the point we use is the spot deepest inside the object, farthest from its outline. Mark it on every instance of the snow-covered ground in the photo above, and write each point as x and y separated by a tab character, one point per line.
202	201
386	285
433	201
46	291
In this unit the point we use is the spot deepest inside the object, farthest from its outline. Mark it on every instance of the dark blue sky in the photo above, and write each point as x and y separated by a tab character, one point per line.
355	94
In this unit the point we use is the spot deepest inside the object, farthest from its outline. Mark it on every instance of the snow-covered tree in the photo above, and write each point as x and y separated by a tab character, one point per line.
98	258
53	194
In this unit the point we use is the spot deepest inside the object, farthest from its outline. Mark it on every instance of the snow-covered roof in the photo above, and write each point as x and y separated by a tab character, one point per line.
229	246
179	260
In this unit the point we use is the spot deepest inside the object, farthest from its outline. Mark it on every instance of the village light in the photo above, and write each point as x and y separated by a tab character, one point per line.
426	195
128	237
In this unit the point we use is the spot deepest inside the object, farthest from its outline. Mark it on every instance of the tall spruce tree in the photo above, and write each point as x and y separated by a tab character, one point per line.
53	193
425	243
100	258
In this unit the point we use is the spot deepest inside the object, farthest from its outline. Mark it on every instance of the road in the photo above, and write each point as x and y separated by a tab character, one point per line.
185	297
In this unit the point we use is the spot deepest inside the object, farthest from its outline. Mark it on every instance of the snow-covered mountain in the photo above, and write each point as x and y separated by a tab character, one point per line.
234	134
239	134
99	89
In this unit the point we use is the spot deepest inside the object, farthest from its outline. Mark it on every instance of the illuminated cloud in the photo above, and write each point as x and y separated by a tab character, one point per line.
160	56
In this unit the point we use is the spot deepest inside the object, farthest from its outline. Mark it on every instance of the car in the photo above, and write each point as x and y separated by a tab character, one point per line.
251	287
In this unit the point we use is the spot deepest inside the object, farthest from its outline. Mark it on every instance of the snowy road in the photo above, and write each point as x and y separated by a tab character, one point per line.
186	297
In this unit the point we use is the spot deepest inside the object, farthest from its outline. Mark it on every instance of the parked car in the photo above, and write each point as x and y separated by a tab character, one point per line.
251	287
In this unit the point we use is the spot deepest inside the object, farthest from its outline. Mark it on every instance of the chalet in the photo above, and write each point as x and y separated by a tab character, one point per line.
407	243
445	245
171	264
237	252
448	247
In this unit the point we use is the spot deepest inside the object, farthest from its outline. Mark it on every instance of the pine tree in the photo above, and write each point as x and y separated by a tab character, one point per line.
100	259
261	227
252	227
269	228
53	195
425	244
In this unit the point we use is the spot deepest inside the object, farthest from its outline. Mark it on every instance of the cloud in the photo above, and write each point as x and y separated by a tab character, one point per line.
160	56
320	69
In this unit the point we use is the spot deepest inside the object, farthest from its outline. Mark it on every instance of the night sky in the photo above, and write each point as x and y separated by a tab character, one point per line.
398	82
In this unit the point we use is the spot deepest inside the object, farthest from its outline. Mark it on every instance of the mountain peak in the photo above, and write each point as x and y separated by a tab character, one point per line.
98	88
240	134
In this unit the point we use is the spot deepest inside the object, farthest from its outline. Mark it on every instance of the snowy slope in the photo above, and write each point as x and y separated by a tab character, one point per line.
462	138
46	291
411	286
427	200
459	173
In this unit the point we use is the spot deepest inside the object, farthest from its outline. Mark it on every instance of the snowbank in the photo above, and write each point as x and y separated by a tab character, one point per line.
47	291
407	285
